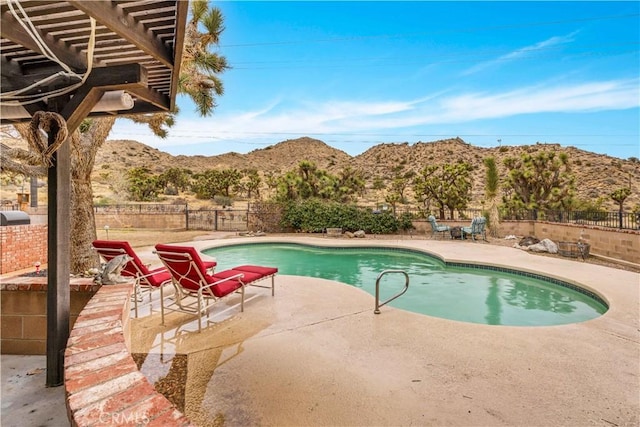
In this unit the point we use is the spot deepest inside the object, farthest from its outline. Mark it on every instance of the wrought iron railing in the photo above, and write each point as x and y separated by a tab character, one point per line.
141	208
226	219
621	220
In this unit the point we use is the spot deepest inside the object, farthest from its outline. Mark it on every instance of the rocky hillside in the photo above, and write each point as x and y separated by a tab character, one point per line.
597	175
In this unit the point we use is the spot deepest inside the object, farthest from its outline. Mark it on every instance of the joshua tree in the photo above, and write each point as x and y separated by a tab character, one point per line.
448	185
198	79
619	196
491	187
542	181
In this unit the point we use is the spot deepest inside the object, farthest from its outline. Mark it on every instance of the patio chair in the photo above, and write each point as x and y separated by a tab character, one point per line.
192	280
477	228
145	279
437	228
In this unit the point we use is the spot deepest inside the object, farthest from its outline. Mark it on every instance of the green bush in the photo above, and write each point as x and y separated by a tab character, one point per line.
223	200
313	216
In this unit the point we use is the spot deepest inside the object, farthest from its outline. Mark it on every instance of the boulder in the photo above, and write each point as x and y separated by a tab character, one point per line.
359	234
552	248
528	241
545	245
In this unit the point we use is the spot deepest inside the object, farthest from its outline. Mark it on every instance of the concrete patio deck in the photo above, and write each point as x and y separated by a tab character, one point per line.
315	354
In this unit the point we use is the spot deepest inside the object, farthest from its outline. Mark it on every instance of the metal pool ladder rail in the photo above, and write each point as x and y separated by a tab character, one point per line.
406	286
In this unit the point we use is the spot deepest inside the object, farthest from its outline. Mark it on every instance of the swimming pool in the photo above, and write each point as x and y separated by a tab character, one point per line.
492	296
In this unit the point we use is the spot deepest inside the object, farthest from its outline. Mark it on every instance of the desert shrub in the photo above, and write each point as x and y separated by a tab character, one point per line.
170	191
591	205
223	200
314	215
405	221
104	201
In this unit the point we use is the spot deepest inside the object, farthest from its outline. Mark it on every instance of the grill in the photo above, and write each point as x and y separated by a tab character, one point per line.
8	218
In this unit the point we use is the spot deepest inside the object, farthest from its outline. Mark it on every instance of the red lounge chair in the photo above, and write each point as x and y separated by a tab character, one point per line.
146	280
191	279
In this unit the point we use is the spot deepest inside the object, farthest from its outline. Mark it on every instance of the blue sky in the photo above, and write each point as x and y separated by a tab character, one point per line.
358	74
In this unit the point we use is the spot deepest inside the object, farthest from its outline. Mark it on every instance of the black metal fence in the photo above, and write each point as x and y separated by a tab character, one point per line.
142	208
218	220
266	216
621	220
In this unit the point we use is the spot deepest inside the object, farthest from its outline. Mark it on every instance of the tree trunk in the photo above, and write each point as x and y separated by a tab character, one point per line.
494	218
84	148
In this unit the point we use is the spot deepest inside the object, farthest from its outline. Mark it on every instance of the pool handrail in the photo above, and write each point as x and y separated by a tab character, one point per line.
406	286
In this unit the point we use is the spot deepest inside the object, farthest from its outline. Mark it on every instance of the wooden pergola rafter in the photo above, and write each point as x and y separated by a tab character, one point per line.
137	48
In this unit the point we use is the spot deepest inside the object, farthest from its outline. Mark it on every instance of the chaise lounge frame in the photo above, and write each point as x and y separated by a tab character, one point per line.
146	280
191	280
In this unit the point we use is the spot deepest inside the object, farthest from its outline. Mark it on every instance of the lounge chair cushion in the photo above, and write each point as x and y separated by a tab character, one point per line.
158	276
264	271
247	277
223	288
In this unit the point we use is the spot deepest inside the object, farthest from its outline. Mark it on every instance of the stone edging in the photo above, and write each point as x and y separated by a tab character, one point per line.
102	382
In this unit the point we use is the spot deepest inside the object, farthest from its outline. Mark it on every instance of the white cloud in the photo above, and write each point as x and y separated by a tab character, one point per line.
522	52
586	97
282	120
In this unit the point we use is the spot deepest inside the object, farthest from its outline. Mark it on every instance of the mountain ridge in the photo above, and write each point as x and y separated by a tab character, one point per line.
597	175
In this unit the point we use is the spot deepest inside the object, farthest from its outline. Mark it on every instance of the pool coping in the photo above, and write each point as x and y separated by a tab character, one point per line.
564	282
583	275
553	366
620	320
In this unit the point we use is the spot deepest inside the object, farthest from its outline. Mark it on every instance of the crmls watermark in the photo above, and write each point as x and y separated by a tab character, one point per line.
121	419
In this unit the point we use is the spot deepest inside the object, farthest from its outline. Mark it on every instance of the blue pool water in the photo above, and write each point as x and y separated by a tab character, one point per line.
436	289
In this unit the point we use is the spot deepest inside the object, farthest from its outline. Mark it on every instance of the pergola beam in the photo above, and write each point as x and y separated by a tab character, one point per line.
178	46
113	17
12	29
131	77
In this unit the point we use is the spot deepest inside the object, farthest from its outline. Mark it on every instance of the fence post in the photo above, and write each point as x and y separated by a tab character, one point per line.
620	219
215	220
186	215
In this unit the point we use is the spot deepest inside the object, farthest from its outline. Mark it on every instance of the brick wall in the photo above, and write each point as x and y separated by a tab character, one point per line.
22	246
102	381
617	244
23	312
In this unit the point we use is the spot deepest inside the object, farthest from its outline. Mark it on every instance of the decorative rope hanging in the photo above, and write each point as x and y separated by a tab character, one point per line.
49	122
